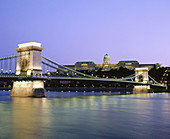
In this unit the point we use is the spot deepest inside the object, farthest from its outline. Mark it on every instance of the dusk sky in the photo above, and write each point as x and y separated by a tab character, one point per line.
85	30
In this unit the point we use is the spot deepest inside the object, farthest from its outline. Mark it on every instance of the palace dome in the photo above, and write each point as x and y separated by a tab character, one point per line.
106	56
106	59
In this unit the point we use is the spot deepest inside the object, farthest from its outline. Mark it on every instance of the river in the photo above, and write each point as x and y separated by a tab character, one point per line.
70	115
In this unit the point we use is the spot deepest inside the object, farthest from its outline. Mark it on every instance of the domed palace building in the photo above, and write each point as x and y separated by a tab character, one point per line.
107	66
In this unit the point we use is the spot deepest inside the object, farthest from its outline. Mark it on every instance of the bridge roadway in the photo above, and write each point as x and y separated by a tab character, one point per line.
122	80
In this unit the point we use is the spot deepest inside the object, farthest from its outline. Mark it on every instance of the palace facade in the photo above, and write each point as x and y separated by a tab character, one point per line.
107	66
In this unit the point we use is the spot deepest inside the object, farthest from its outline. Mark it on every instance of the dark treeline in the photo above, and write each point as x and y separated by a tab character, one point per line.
157	74
113	73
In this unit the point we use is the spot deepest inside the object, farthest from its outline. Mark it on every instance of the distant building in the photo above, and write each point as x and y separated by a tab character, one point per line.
107	66
86	65
128	64
149	66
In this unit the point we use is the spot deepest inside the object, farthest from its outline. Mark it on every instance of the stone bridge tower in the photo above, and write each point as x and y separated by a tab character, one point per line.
143	77
29	63
30	60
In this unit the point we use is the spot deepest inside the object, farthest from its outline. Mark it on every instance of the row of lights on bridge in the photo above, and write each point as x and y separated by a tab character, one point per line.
6	71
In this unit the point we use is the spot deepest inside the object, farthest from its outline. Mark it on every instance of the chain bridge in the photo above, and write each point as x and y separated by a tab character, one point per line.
29	69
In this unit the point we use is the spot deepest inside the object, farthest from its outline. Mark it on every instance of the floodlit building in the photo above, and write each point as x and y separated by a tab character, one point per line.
129	64
86	65
107	66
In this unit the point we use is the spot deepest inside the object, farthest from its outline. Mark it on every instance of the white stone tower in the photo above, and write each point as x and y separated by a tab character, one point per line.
29	63
30	59
143	77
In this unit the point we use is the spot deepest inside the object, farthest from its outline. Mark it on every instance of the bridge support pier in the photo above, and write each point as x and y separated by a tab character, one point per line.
28	88
142	89
29	64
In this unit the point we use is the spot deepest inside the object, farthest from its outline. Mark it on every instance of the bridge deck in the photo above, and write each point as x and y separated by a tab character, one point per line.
22	77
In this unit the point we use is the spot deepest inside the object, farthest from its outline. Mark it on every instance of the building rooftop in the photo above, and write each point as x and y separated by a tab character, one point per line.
106	56
84	62
129	61
146	64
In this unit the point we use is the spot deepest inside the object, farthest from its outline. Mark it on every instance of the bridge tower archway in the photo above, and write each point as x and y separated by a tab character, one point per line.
141	76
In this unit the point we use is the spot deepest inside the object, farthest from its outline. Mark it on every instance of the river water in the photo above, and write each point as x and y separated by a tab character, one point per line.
71	115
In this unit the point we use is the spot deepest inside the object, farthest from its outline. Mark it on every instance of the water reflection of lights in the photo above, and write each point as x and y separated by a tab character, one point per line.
74	100
29	114
92	101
